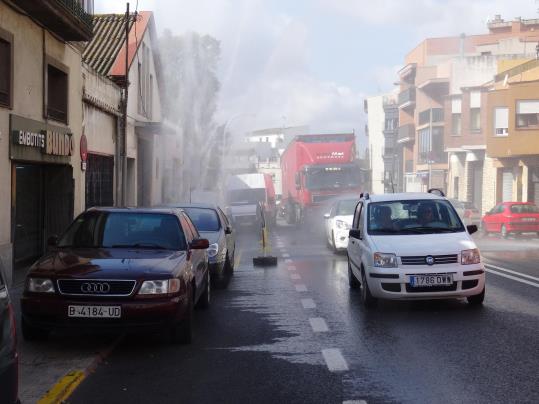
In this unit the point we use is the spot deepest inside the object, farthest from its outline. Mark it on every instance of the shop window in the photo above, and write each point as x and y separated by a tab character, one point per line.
475	119
527	114
501	121
57	94
6	69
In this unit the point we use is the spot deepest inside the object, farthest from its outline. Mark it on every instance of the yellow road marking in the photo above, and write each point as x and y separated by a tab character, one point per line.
238	259
63	389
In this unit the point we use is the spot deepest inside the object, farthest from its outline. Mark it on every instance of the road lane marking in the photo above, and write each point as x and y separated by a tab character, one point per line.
318	324
301	288
286	255
63	389
295	276
308	303
513	272
354	402
512	277
238	259
288	261
334	360
292	268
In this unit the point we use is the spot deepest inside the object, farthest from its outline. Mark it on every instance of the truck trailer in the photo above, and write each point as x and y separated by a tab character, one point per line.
316	168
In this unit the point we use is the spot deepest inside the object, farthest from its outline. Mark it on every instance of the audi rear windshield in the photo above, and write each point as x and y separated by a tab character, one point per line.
125	230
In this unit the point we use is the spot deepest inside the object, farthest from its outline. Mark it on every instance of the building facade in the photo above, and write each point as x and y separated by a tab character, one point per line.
374	108
152	147
512	134
100	127
441	106
40	123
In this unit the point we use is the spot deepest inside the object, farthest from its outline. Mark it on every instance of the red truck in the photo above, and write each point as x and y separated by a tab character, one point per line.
316	168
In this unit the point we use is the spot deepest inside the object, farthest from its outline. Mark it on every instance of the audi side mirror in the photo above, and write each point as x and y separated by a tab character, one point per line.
199	244
354	233
472	228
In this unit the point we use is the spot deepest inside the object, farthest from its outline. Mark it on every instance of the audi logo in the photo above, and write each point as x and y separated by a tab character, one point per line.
95	287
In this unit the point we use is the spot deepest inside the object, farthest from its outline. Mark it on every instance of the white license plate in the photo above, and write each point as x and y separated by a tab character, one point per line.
94	311
528	219
419	281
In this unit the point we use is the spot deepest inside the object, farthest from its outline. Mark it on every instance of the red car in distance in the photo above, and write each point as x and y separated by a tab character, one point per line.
511	217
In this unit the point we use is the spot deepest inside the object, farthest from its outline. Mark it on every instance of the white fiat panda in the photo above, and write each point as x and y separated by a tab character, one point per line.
413	246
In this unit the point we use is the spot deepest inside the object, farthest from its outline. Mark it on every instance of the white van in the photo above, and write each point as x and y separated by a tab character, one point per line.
413	246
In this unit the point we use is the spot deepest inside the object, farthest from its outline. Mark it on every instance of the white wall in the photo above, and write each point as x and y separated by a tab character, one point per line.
376	121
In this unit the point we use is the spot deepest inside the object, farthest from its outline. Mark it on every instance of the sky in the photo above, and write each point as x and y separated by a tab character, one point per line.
312	62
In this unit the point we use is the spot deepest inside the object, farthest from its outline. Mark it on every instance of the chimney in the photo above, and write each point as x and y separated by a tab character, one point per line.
516	25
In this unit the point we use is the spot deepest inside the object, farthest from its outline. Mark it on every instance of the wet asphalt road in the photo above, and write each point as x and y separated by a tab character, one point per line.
264	341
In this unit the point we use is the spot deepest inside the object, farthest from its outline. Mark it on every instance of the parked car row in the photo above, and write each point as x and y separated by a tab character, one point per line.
130	269
126	269
511	217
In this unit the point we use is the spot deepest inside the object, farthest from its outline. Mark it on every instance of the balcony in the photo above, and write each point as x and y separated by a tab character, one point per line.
65	18
407	73
407	99
406	133
437	86
434	115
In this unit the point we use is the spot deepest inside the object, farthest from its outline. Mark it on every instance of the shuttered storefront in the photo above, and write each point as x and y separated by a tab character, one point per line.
507	185
99	181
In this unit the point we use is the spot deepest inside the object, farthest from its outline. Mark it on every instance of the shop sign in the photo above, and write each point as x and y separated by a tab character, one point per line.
50	142
32	140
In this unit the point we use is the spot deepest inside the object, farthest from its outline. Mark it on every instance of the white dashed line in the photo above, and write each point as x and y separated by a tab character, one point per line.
308	303
354	402
288	261
512	277
533	278
295	276
292	268
334	360
318	324
286	255
301	288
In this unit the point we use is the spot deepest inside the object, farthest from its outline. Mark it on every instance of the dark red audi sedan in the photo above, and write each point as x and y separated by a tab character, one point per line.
123	269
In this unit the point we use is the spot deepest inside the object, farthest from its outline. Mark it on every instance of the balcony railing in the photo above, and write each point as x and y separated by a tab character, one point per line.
437	115
407	97
65	18
406	133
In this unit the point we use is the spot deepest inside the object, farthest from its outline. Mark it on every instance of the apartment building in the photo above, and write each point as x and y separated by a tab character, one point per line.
381	131
441	122
512	134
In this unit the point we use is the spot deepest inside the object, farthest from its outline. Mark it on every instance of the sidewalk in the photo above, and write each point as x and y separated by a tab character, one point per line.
42	364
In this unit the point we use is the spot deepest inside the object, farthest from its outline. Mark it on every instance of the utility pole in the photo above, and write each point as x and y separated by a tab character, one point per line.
124	112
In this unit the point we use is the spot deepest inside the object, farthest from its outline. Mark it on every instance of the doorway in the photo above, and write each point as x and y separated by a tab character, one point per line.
42	205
